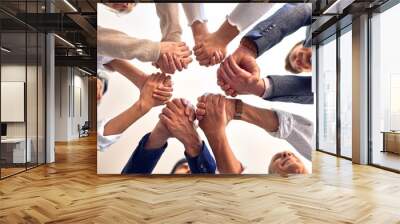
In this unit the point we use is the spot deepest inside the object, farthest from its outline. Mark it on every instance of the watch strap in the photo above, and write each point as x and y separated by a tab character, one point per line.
238	109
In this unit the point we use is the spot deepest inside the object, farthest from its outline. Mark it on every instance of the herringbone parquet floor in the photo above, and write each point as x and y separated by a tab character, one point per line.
70	191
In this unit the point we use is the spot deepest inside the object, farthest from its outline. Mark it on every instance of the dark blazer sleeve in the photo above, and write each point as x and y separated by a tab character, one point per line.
143	161
285	21
291	88
203	163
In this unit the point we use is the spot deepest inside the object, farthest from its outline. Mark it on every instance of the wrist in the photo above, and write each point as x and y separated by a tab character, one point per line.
227	32
161	131
142	106
259	88
141	80
230	108
248	46
163	50
156	140
199	30
193	146
215	136
214	132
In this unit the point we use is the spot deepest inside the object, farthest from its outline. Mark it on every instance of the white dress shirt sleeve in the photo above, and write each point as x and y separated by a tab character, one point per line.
297	131
101	61
103	142
194	12
246	14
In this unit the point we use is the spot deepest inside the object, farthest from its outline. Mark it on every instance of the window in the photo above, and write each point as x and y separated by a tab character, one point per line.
22	77
346	74
385	89
327	96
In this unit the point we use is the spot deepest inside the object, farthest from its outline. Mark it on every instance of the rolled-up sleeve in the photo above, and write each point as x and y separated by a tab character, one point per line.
203	163
169	21
116	44
194	12
297	131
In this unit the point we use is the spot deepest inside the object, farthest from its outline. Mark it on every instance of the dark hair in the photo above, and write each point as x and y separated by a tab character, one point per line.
288	65
178	164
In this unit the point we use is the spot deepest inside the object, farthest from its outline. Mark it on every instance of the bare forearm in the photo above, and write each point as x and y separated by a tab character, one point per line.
227	32
264	118
226	160
135	75
122	122
199	29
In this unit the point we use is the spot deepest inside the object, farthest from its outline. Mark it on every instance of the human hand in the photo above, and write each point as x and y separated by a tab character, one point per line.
156	91
235	80
174	118
214	112
173	56
210	50
189	110
245	57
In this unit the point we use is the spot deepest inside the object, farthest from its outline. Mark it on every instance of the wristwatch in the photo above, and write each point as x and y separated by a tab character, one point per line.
238	109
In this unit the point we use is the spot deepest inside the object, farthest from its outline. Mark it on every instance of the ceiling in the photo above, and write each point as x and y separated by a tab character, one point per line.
74	22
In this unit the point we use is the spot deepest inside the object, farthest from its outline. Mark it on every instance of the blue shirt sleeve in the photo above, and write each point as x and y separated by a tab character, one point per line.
203	163
143	161
285	21
291	88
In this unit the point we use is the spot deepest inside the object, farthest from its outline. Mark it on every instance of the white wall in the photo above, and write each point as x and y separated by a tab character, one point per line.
34	125
69	83
15	73
252	145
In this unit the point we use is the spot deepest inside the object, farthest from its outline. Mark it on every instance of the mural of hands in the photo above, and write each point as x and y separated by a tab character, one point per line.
237	73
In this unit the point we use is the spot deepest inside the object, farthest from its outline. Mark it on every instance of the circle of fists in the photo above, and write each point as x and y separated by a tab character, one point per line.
237	74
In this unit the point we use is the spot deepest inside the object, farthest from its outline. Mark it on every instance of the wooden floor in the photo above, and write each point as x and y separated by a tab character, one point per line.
387	159
70	191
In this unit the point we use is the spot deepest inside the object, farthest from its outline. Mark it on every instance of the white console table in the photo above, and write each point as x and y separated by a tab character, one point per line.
18	151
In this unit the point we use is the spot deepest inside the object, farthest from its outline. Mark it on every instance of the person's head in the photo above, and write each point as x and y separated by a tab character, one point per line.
298	59
284	163
181	167
121	7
